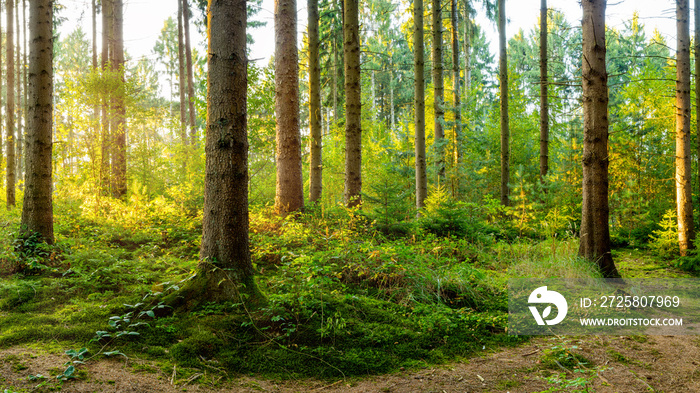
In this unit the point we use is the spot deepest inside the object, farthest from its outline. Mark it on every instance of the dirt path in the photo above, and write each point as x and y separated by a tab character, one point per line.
615	364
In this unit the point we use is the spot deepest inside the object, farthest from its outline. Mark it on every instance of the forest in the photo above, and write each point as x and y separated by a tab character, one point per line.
347	217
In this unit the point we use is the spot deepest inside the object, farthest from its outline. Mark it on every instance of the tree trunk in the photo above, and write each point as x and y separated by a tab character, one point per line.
315	162
353	109
106	145
391	95
1	83
10	108
595	233
37	209
467	49
438	91
503	81
419	99
686	232
21	139
119	109
18	103
544	104
96	109
225	271
456	82
289	190
697	84
190	72
181	75
336	108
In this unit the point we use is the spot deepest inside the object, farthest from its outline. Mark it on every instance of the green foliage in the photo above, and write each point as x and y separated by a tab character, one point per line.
563	355
443	216
664	241
391	206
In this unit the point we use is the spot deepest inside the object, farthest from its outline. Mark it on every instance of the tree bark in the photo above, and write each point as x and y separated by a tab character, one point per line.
106	137
1	83
18	103
697	84
190	72
37	209
419	100
21	139
353	109
595	232
96	109
289	190
456	89
438	90
315	158
225	271
119	109
544	104
503	81
181	75
467	49
686	232
10	108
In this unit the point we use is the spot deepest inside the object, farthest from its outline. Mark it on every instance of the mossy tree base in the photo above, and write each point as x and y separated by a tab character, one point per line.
212	284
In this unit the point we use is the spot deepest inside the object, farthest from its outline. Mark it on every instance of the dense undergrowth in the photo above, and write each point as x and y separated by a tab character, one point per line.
347	294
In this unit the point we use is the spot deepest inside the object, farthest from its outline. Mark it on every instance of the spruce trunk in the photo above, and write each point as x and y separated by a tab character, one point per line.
225	271
315	158
353	109
10	108
289	190
419	100
37	209
595	232
118	109
503	81
544	103
686	231
438	91
190	76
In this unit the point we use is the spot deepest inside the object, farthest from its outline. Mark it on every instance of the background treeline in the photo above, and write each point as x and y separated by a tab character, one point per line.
165	157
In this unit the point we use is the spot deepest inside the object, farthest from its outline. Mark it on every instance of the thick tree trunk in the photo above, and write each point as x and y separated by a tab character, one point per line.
353	109
544	103
190	72
456	82
503	81
119	109
419	103
438	90
315	158
10	108
289	190
181	75
37	209
686	232
106	137
225	271
595	232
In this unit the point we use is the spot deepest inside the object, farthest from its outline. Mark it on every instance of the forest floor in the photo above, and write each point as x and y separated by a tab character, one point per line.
541	364
615	364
